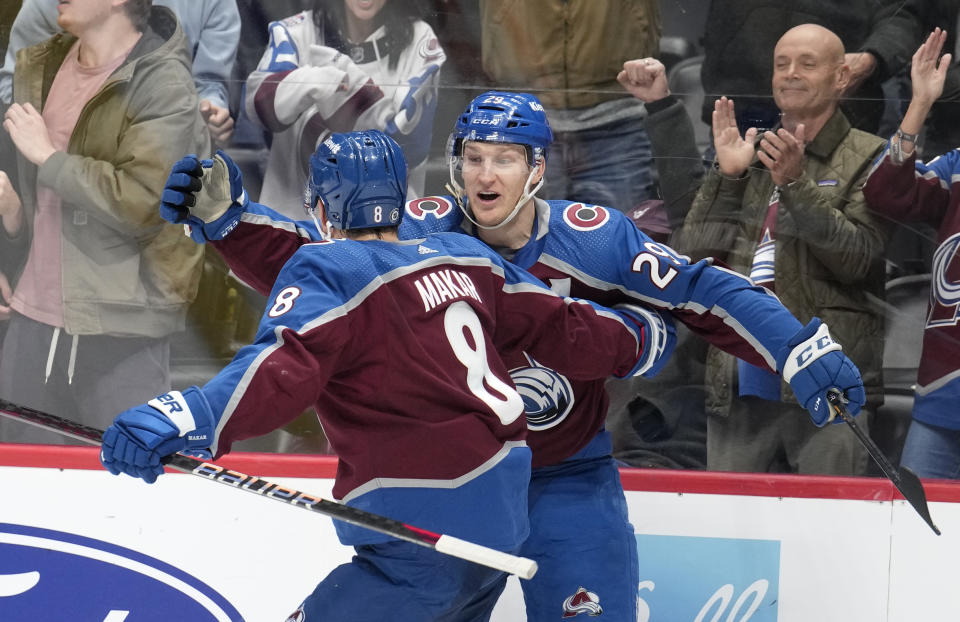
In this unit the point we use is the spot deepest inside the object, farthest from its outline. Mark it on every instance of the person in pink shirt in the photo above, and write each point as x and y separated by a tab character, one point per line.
98	282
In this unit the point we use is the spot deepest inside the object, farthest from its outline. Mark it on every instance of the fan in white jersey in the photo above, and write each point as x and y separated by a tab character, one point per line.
344	65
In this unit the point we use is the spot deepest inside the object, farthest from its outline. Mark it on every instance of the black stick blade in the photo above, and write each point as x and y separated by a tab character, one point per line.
912	490
905	480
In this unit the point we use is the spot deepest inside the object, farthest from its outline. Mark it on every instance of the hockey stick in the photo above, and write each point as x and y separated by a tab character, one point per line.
903	478
521	566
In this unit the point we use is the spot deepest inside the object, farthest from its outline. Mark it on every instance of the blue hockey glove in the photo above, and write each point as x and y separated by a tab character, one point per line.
141	437
813	363
206	196
659	338
178	193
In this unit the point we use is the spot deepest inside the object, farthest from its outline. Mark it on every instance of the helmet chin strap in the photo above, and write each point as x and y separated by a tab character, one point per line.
324	233
458	193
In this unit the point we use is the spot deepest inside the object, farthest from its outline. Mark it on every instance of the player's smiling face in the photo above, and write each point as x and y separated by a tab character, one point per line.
494	176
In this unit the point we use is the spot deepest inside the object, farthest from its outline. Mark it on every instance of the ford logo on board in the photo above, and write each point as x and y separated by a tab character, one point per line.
53	575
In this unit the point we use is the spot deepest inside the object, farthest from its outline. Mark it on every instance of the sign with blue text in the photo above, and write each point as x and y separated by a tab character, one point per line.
694	579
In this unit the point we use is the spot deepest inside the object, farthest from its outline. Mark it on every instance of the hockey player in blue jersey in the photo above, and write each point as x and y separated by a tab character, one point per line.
580	534
396	344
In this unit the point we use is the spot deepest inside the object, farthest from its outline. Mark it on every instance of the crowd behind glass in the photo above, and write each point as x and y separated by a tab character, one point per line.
272	78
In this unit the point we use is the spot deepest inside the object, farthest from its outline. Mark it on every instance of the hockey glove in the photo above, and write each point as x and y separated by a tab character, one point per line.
813	363
141	437
659	338
206	196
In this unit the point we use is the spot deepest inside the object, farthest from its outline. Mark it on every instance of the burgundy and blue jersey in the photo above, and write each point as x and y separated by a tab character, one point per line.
592	252
396	347
578	250
930	193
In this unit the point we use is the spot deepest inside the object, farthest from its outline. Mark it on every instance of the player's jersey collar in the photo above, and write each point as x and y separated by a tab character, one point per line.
527	255
530	252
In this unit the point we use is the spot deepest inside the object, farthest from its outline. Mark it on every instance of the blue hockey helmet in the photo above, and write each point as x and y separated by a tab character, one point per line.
361	177
502	117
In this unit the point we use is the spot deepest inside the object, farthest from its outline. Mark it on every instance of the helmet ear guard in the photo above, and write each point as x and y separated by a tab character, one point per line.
361	177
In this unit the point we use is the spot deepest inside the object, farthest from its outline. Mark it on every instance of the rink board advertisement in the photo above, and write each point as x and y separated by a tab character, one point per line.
79	543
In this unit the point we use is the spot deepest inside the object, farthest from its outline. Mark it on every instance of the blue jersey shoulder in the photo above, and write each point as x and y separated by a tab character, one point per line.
349	266
314	280
430	215
587	222
596	240
460	244
463	245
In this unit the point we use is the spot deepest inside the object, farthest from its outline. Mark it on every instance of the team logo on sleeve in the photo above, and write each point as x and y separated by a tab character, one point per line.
945	294
585	217
582	602
438	207
547	395
429	49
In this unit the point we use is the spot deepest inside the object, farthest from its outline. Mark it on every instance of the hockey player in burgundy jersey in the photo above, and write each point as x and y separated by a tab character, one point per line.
499	145
906	189
396	343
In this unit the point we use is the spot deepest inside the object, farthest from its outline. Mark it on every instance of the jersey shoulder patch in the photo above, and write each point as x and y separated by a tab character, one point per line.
437	207
585	217
429	50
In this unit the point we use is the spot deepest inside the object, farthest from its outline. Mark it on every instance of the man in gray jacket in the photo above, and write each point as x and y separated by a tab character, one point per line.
100	281
785	206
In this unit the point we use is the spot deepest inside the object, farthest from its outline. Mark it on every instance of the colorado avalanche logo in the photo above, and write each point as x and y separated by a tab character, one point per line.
582	602
438	207
945	290
429	49
547	395
585	217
